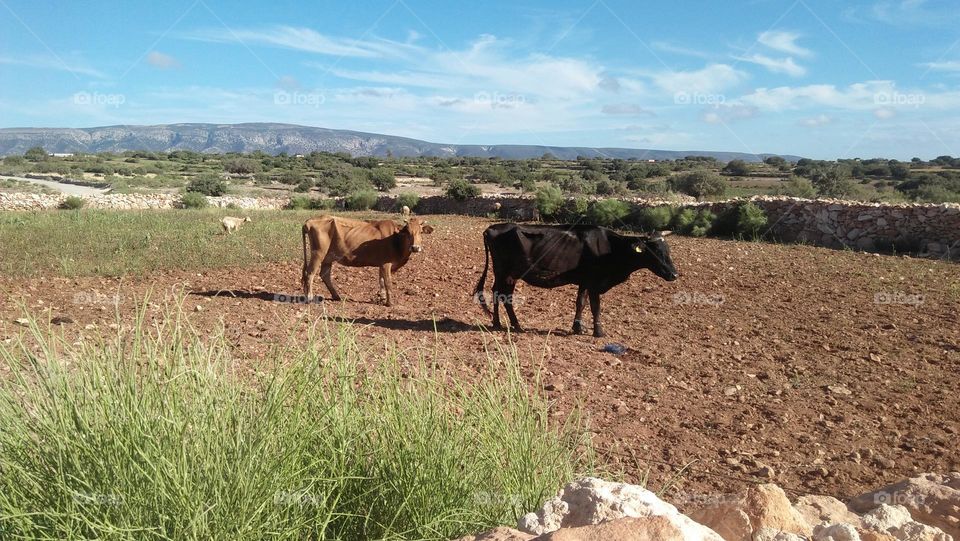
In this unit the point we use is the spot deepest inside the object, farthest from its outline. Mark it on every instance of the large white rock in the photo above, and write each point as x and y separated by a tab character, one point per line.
895	520
591	501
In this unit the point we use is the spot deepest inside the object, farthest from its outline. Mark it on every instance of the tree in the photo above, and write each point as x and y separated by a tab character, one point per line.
737	168
898	170
776	161
461	190
383	179
36	154
207	184
242	166
699	183
833	182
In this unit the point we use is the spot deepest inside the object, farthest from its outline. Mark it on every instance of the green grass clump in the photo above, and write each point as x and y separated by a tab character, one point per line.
194	200
73	202
656	218
408	199
608	212
362	200
155	434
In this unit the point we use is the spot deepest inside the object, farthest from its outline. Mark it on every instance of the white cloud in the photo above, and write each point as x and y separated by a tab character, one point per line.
711	79
784	42
728	112
625	109
162	61
947	66
884	113
816	121
776	65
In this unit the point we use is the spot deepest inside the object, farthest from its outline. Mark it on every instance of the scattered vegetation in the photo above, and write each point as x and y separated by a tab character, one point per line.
408	199
339	174
462	190
207	184
362	200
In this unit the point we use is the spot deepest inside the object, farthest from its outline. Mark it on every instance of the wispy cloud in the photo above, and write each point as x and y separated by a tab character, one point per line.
625	109
816	121
53	63
784	42
776	65
162	61
668	47
950	66
710	79
299	39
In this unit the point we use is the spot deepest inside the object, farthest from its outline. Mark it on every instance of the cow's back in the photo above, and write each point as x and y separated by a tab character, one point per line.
546	256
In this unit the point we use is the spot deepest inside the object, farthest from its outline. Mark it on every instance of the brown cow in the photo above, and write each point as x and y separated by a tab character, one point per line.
357	243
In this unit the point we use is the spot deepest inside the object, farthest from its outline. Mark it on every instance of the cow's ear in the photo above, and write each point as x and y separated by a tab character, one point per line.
427	229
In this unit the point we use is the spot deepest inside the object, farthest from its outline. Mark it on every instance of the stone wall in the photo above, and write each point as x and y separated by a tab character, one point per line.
932	229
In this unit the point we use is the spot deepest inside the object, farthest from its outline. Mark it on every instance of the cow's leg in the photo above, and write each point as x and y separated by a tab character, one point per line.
508	304
309	271
595	308
497	284
388	286
325	271
381	292
578	314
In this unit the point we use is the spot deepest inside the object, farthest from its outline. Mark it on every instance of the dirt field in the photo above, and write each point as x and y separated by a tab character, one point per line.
824	371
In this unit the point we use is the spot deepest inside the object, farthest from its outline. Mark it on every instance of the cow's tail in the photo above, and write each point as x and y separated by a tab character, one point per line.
478	292
306	250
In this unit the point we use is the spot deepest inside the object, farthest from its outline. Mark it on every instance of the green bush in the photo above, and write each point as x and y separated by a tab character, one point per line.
702	224
699	183
751	220
461	189
304	186
194	200
608	212
683	220
73	203
362	200
408	199
655	218
549	200
207	184
158	434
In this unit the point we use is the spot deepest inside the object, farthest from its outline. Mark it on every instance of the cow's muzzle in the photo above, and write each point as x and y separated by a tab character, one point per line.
416	249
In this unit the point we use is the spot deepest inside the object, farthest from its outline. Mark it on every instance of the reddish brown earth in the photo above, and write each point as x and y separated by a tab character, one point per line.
781	367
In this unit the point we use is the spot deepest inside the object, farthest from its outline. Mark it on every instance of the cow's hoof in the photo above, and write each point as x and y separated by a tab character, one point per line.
577	329
599	334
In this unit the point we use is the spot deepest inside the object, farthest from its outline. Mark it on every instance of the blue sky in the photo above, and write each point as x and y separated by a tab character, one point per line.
815	78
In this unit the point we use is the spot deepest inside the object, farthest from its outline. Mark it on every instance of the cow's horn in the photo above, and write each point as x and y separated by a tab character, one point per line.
664	233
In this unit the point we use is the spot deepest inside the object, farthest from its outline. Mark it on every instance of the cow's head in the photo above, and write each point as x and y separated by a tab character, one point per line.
654	253
414	228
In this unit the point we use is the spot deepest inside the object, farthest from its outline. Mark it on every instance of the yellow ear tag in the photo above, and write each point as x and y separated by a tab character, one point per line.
638	248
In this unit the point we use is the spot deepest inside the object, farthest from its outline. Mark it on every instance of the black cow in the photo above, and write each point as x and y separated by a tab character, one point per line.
594	258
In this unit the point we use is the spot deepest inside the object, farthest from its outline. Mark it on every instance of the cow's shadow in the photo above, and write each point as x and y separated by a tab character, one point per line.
262	295
445	325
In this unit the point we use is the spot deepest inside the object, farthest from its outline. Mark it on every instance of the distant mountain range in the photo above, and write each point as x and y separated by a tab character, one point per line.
293	139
